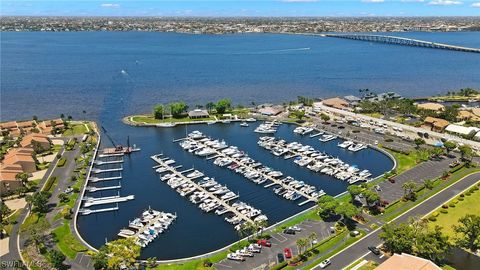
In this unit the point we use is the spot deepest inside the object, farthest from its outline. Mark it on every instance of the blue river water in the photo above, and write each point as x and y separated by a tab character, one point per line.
107	75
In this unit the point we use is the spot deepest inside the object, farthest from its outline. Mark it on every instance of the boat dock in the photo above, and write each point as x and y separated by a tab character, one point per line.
85	211
99	179
211	196
100	162
254	168
94	189
106	155
106	200
96	171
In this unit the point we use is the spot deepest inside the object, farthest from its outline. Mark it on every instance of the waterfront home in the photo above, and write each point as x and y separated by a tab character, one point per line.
10	127
198	113
431	106
373	97
40	139
353	100
335	102
21	157
48	126
407	261
8	179
26	126
435	124
473	115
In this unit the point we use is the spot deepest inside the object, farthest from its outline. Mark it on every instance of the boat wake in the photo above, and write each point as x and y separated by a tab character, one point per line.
279	51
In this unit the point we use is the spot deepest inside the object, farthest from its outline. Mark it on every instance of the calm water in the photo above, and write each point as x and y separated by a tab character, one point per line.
192	233
46	74
52	73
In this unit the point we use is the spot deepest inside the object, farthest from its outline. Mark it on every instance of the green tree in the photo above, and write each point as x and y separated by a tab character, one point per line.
100	258
39	201
468	232
354	190
151	261
63	197
122	253
372	197
177	109
409	190
397	238
324	117
301	244
450	113
428	183
450	146
298	114
223	105
210	106
432	245
327	205
418	142
347	210
466	152
158	111
56	258
22	177
312	237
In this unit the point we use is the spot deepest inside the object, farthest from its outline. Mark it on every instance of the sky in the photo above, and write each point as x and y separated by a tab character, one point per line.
227	8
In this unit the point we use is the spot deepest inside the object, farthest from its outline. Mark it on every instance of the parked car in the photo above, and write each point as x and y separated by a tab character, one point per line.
374	250
325	263
68	190
280	258
264	242
377	188
288	231
295	228
287	252
332	229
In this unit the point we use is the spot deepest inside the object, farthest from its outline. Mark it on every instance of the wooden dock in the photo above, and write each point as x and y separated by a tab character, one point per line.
250	168
199	188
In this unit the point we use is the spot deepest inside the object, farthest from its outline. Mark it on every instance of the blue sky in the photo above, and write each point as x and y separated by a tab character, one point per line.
241	8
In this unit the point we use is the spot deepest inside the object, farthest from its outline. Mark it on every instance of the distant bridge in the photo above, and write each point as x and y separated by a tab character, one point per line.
402	41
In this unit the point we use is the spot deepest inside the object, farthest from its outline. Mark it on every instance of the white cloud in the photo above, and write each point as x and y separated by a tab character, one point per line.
410	1
444	2
373	1
299	1
110	5
475	5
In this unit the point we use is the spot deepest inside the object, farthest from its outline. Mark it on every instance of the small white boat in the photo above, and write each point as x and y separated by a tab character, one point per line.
244	124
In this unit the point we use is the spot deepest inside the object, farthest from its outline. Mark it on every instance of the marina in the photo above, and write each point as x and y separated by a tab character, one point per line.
139	177
148	227
316	161
208	194
237	161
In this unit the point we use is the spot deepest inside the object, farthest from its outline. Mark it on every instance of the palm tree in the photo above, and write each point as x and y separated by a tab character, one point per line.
23	177
261	225
408	188
312	237
301	244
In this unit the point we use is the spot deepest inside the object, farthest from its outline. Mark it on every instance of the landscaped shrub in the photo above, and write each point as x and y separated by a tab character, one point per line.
49	183
435	214
461	195
444	211
432	218
279	266
389	140
468	193
444	206
451	205
461	199
61	162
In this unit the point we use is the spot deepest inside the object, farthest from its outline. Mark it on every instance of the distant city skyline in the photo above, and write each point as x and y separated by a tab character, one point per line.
231	8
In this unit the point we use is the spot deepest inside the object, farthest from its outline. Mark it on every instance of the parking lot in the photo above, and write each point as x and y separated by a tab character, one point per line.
268	256
427	170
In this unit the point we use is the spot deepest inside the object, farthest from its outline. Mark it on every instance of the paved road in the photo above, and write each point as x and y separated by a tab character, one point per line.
360	248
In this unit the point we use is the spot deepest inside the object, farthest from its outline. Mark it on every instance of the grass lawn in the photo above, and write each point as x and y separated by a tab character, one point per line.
457	209
76	129
151	120
374	115
404	162
34	220
370	265
312	215
66	242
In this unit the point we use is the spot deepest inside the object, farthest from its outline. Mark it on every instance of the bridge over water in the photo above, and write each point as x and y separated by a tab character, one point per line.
402	41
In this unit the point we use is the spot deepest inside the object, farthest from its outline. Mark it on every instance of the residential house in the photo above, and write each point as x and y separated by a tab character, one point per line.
406	261
8	175
26	126
271	110
435	124
47	126
11	127
32	138
431	106
25	160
